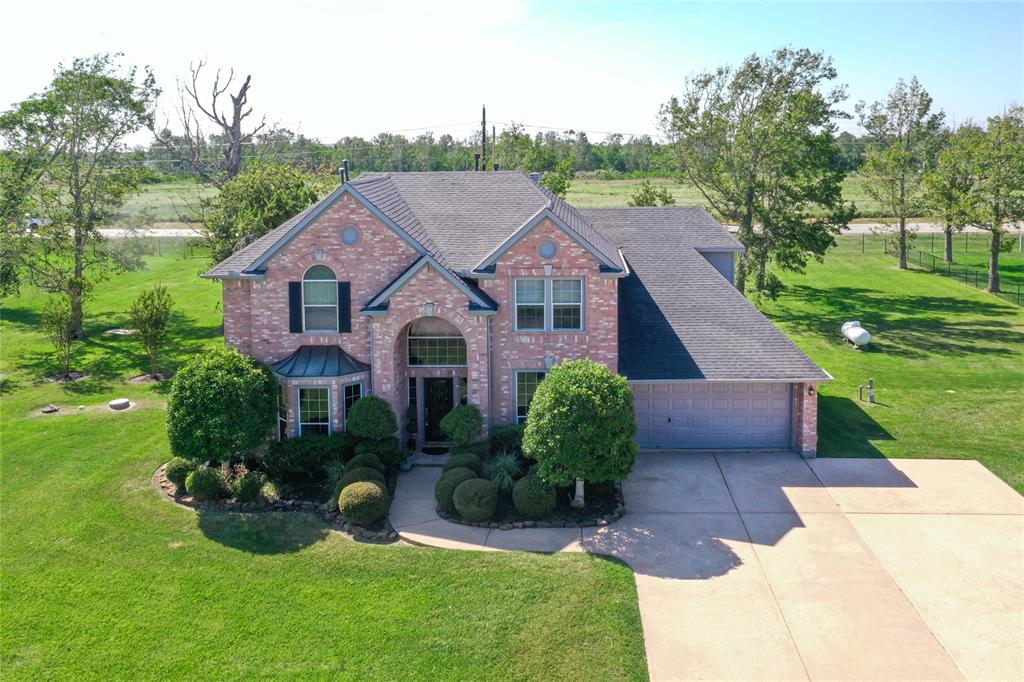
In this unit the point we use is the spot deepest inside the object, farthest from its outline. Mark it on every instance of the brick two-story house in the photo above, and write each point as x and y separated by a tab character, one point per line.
431	289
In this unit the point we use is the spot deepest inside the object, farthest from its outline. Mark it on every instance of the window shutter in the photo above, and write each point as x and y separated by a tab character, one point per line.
344	307
295	307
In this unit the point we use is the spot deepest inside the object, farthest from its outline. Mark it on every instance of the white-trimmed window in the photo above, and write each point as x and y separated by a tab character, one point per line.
319	300
435	342
315	411
526	385
546	304
350	394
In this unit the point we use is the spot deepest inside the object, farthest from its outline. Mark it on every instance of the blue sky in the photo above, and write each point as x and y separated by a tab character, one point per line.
329	68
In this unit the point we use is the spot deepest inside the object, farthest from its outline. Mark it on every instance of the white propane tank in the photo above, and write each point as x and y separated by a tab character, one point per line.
856	334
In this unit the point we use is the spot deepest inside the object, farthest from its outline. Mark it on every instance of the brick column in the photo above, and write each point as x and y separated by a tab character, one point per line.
805	419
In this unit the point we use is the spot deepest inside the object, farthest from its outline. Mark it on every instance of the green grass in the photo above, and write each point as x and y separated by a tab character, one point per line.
100	578
615	193
947	360
971	249
166	203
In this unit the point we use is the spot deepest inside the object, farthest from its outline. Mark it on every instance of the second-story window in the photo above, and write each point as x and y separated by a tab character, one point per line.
319	300
543	304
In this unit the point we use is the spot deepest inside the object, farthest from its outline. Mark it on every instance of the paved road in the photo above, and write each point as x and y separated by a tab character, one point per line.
764	566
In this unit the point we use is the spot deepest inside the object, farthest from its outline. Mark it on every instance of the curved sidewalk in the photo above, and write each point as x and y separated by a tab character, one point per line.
766	566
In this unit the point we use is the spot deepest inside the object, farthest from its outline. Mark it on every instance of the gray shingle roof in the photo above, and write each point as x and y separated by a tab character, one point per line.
241	260
678	317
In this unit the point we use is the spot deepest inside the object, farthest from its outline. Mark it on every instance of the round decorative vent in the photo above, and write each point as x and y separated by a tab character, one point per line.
350	235
547	249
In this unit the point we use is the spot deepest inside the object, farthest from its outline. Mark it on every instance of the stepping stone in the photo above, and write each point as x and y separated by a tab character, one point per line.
120	331
50	409
119	404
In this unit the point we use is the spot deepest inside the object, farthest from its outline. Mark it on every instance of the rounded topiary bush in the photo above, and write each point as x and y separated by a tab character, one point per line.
507	438
367	459
476	499
446	486
362	474
363	503
533	498
205	484
463	424
371	418
221	405
178	469
299	461
464	460
387	450
249	486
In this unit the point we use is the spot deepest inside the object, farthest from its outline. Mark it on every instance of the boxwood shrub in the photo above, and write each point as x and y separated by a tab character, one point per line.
249	486
363	503
372	418
464	460
445	487
463	424
476	499
533	498
342	445
367	459
507	438
205	484
300	461
387	450
362	474
178	470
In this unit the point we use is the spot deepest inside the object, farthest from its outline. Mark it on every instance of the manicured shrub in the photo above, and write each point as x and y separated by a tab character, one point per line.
363	503
581	426
205	484
476	499
372	418
300	461
465	460
533	498
387	450
446	485
503	470
178	470
221	405
363	474
248	487
463	424
367	459
271	491
508	438
342	445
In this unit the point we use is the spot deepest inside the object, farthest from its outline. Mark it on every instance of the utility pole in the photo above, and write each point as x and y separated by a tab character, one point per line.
483	136
494	144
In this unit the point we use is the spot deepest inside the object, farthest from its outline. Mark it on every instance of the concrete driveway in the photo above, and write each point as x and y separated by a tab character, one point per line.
764	566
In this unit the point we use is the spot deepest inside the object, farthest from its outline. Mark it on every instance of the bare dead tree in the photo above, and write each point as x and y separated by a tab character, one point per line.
194	147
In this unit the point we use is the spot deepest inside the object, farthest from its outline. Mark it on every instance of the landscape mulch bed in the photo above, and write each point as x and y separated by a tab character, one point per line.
604	505
322	507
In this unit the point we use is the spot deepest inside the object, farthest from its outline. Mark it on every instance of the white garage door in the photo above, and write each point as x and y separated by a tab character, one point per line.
693	414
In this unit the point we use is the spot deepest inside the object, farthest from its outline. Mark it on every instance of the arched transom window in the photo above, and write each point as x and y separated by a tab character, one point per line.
319	300
435	342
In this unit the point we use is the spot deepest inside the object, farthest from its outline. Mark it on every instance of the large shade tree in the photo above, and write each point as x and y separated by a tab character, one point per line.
904	137
948	187
64	169
758	142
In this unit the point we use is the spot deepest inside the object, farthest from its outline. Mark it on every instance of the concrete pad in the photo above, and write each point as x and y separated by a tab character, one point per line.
848	619
418	483
676	483
406	511
965	576
447	535
916	486
774	482
536	540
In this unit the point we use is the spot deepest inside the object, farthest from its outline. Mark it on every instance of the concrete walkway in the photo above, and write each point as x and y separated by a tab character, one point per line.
764	566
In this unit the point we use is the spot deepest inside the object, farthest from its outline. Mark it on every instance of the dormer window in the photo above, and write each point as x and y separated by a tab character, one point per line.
319	300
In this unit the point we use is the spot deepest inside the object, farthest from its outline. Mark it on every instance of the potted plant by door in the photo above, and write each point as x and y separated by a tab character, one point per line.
411	428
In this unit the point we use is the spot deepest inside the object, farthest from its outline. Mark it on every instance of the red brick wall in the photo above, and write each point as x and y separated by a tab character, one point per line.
805	419
527	350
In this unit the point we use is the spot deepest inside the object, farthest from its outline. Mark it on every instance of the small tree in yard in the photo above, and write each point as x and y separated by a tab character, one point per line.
558	180
948	186
649	195
581	426
59	325
222	405
149	317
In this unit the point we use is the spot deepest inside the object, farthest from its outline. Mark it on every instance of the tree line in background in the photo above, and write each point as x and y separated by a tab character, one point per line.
760	141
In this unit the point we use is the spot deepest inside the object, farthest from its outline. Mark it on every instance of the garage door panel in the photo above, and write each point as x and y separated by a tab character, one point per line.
712	415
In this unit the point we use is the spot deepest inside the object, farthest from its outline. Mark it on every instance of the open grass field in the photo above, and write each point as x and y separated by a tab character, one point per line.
100	578
165	203
947	360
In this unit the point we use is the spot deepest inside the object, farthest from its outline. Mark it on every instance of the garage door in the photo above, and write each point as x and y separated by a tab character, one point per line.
691	414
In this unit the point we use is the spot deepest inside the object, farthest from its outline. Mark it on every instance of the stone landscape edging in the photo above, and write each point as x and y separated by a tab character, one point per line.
334	519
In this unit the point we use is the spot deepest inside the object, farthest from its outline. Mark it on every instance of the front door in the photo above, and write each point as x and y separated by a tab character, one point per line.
438	398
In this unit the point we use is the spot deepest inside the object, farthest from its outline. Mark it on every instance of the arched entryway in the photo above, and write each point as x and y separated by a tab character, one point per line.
434	358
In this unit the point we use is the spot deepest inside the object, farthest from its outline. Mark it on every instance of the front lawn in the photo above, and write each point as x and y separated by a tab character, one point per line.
947	360
101	578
